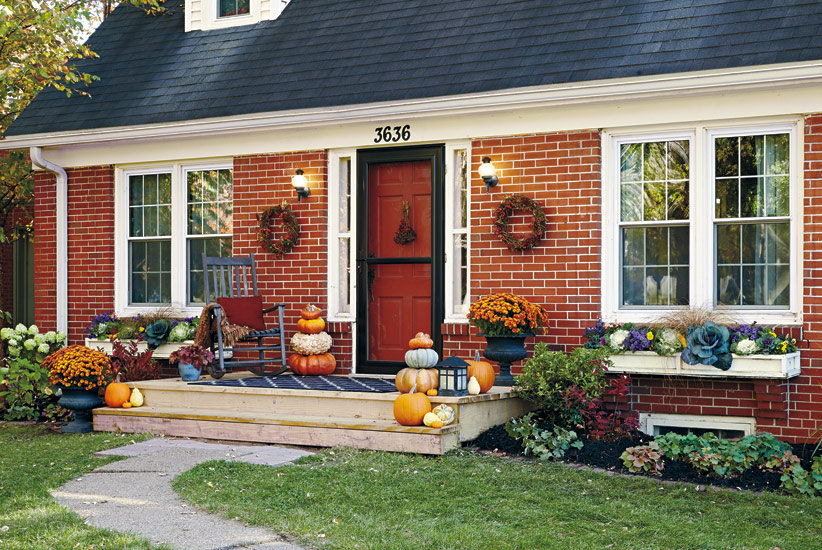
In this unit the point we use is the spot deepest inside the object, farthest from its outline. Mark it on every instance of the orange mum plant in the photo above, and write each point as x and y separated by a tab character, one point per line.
78	367
504	313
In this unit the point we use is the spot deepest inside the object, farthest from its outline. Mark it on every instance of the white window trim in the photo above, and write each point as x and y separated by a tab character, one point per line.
212	20
451	174
334	157
648	422
701	187
178	231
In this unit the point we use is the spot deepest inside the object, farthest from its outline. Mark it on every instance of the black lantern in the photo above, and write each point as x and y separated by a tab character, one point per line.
453	377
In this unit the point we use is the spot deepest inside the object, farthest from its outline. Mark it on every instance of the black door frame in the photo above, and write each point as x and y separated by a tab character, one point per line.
435	154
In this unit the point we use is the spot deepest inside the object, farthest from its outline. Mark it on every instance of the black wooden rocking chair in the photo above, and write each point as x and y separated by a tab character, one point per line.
230	278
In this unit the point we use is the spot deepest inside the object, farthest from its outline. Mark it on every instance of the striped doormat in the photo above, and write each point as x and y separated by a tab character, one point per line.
321	383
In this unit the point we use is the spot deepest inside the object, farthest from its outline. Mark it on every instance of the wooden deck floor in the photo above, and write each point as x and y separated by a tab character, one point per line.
302	417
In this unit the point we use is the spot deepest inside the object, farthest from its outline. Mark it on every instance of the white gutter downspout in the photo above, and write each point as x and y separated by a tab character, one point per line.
61	272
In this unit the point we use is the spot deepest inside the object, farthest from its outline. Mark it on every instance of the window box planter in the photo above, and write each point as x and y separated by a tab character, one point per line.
743	366
162	352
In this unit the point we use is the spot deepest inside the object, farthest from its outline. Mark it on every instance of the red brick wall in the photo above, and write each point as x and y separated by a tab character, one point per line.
562	172
90	248
301	276
45	254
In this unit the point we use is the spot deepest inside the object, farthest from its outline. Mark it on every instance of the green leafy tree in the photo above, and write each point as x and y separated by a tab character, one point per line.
40	44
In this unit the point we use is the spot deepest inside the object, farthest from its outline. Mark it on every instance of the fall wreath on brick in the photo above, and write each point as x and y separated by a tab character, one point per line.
275	219
510	205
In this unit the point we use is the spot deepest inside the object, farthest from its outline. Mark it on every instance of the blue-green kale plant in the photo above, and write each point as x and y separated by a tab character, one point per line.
708	344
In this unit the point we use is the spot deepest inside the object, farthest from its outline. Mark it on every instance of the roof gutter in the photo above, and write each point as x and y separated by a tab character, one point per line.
61	269
596	91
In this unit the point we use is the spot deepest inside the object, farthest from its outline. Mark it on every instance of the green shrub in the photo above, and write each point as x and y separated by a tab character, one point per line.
549	376
25	392
797	480
543	444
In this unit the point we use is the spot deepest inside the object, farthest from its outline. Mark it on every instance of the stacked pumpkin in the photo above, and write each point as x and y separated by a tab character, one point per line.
420	360
311	344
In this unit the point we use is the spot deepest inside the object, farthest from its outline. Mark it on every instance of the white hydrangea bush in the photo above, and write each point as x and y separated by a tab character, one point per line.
29	342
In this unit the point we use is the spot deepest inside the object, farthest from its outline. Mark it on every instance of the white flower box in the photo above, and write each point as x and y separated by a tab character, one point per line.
743	366
161	352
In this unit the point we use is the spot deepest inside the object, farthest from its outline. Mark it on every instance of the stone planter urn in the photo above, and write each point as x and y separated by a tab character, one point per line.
81	401
504	350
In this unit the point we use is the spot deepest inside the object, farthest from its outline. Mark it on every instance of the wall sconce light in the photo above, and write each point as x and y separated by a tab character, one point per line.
300	184
488	173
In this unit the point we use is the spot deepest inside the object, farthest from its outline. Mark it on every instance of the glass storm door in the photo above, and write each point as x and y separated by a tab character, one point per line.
400	281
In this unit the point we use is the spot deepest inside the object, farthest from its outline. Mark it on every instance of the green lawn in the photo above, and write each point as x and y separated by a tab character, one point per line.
359	499
34	460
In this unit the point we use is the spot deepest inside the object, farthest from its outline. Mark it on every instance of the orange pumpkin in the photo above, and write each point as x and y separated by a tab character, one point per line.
410	408
312	365
117	393
422	379
483	372
311	312
311	326
421	340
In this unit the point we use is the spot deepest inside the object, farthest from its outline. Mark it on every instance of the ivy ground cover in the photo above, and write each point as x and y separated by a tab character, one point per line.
344	498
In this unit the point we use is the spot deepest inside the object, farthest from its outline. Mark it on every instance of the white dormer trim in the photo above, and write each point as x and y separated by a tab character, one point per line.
203	15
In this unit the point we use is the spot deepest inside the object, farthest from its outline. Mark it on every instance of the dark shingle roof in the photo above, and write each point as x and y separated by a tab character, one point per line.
338	52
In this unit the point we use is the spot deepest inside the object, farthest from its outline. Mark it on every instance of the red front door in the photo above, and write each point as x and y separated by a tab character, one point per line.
399	283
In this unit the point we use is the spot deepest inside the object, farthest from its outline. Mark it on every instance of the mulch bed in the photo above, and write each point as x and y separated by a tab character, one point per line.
605	455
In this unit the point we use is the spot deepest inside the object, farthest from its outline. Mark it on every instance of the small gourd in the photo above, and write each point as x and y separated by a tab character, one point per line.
473	386
127	405
310	312
421	340
421	358
483	371
445	413
311	326
136	399
430	418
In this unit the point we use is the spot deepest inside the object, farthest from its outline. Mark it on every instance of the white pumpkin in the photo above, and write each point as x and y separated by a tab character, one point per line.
311	344
445	413
473	386
421	358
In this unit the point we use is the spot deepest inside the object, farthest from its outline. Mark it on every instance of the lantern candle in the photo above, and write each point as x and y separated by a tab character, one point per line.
453	377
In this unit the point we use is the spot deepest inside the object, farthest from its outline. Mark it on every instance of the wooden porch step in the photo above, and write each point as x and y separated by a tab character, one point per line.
280	428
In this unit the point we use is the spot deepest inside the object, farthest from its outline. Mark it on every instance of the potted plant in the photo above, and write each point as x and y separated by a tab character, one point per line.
79	372
506	320
191	360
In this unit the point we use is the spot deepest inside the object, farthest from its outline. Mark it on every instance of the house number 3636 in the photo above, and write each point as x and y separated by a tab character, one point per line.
392	134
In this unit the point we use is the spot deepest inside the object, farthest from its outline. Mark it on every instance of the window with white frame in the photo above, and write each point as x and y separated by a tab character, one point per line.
341	227
167	218
654	223
704	218
457	235
752	226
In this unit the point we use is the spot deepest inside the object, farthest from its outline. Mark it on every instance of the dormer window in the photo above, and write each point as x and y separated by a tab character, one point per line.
230	8
206	15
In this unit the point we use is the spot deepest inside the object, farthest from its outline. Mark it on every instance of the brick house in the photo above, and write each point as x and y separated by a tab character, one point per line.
675	131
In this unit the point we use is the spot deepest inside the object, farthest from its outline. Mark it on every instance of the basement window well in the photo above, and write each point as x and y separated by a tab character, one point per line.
726	427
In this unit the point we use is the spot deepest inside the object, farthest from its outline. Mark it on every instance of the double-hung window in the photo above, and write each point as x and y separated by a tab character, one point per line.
166	218
703	218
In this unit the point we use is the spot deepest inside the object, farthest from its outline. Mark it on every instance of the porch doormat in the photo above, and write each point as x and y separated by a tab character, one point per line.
321	383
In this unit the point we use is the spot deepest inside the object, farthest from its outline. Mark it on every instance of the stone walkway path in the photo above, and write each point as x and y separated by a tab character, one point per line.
135	495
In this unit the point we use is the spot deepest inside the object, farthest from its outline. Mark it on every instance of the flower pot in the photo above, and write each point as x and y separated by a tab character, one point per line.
188	372
505	349
81	401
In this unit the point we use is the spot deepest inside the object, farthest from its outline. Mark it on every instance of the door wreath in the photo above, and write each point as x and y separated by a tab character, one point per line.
509	206
278	217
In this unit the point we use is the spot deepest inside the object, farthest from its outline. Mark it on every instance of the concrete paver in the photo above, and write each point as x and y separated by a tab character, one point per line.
135	495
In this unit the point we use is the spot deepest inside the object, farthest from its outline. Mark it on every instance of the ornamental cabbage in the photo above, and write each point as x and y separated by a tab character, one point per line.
157	332
747	347
180	332
618	338
708	344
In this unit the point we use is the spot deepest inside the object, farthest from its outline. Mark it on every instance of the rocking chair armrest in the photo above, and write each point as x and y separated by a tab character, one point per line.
274	307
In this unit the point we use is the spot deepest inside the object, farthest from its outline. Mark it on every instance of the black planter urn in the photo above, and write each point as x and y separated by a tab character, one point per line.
81	401
505	350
